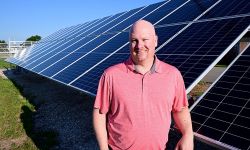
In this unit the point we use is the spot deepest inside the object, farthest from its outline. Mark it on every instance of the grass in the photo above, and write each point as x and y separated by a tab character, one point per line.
4	64
224	66
12	132
199	89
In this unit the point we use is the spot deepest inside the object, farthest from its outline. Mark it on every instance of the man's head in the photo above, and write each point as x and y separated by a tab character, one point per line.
143	41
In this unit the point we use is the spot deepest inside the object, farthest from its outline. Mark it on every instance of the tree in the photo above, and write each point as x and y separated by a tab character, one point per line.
3	45
34	38
2	41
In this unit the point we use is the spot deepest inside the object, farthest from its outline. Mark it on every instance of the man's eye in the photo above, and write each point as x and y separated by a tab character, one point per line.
133	41
145	39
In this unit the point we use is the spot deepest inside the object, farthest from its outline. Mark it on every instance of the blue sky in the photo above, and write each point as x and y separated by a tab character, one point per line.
21	19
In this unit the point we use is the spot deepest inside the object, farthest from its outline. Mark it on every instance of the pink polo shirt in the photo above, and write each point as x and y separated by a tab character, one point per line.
138	107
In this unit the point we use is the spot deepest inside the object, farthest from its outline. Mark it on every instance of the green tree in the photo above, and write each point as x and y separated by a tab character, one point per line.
34	38
3	45
2	41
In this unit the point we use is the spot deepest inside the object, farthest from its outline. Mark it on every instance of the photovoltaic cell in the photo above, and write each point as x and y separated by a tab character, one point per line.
228	8
66	74
188	12
89	60
205	38
165	10
192	51
74	56
191	67
86	47
37	52
43	53
110	46
223	113
89	81
118	57
195	49
80	47
61	45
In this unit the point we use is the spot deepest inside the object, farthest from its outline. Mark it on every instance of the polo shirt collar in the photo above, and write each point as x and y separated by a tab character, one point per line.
155	68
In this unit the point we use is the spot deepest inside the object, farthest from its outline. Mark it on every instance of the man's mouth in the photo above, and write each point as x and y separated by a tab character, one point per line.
140	51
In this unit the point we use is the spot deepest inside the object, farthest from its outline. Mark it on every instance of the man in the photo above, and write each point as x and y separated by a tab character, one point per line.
135	99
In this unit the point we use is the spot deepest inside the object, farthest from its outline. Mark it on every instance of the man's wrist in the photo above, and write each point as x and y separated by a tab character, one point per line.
189	134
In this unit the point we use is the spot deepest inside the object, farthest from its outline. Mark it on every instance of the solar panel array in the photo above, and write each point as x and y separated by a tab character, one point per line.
193	36
223	113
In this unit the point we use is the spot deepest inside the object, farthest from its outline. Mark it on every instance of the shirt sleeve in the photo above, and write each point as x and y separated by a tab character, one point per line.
180	100
102	100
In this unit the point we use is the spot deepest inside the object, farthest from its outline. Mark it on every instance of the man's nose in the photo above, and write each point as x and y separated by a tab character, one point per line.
140	44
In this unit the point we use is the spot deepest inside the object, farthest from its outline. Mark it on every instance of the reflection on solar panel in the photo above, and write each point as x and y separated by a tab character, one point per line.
223	113
193	36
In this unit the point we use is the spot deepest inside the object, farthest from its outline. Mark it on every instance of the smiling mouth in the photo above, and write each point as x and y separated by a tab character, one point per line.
140	51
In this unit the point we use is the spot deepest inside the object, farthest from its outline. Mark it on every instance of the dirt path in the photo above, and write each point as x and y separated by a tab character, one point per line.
2	74
6	144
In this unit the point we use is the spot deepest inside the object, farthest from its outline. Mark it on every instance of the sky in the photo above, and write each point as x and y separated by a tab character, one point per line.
21	19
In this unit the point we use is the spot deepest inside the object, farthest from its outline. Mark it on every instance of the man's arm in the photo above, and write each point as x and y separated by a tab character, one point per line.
99	122
183	122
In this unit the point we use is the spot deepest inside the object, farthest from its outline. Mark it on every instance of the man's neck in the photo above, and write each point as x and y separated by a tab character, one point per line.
144	67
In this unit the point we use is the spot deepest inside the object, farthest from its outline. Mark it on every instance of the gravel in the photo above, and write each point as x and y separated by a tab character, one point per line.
63	116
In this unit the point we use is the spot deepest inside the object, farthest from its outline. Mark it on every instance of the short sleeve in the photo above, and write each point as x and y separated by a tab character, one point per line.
102	100
180	100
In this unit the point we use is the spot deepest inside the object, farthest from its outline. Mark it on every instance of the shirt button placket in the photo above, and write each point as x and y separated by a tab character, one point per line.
145	98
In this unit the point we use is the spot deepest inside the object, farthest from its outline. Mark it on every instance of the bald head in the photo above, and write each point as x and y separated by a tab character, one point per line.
141	25
143	42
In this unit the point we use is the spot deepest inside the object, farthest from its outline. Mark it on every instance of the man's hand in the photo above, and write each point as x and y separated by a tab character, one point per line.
99	122
185	143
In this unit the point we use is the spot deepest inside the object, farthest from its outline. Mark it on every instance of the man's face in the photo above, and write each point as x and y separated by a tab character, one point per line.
142	43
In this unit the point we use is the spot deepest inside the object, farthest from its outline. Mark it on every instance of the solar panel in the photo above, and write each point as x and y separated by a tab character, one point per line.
200	45
170	5
89	81
186	40
191	66
93	42
229	8
122	54
223	112
67	76
58	44
67	73
52	40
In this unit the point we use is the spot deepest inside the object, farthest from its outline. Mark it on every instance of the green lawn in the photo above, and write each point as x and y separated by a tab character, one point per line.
4	64
224	66
12	132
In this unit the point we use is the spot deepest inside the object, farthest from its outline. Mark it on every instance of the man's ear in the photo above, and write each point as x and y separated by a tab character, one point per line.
156	40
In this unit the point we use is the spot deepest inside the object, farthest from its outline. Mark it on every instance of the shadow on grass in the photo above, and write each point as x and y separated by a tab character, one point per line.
42	139
62	118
